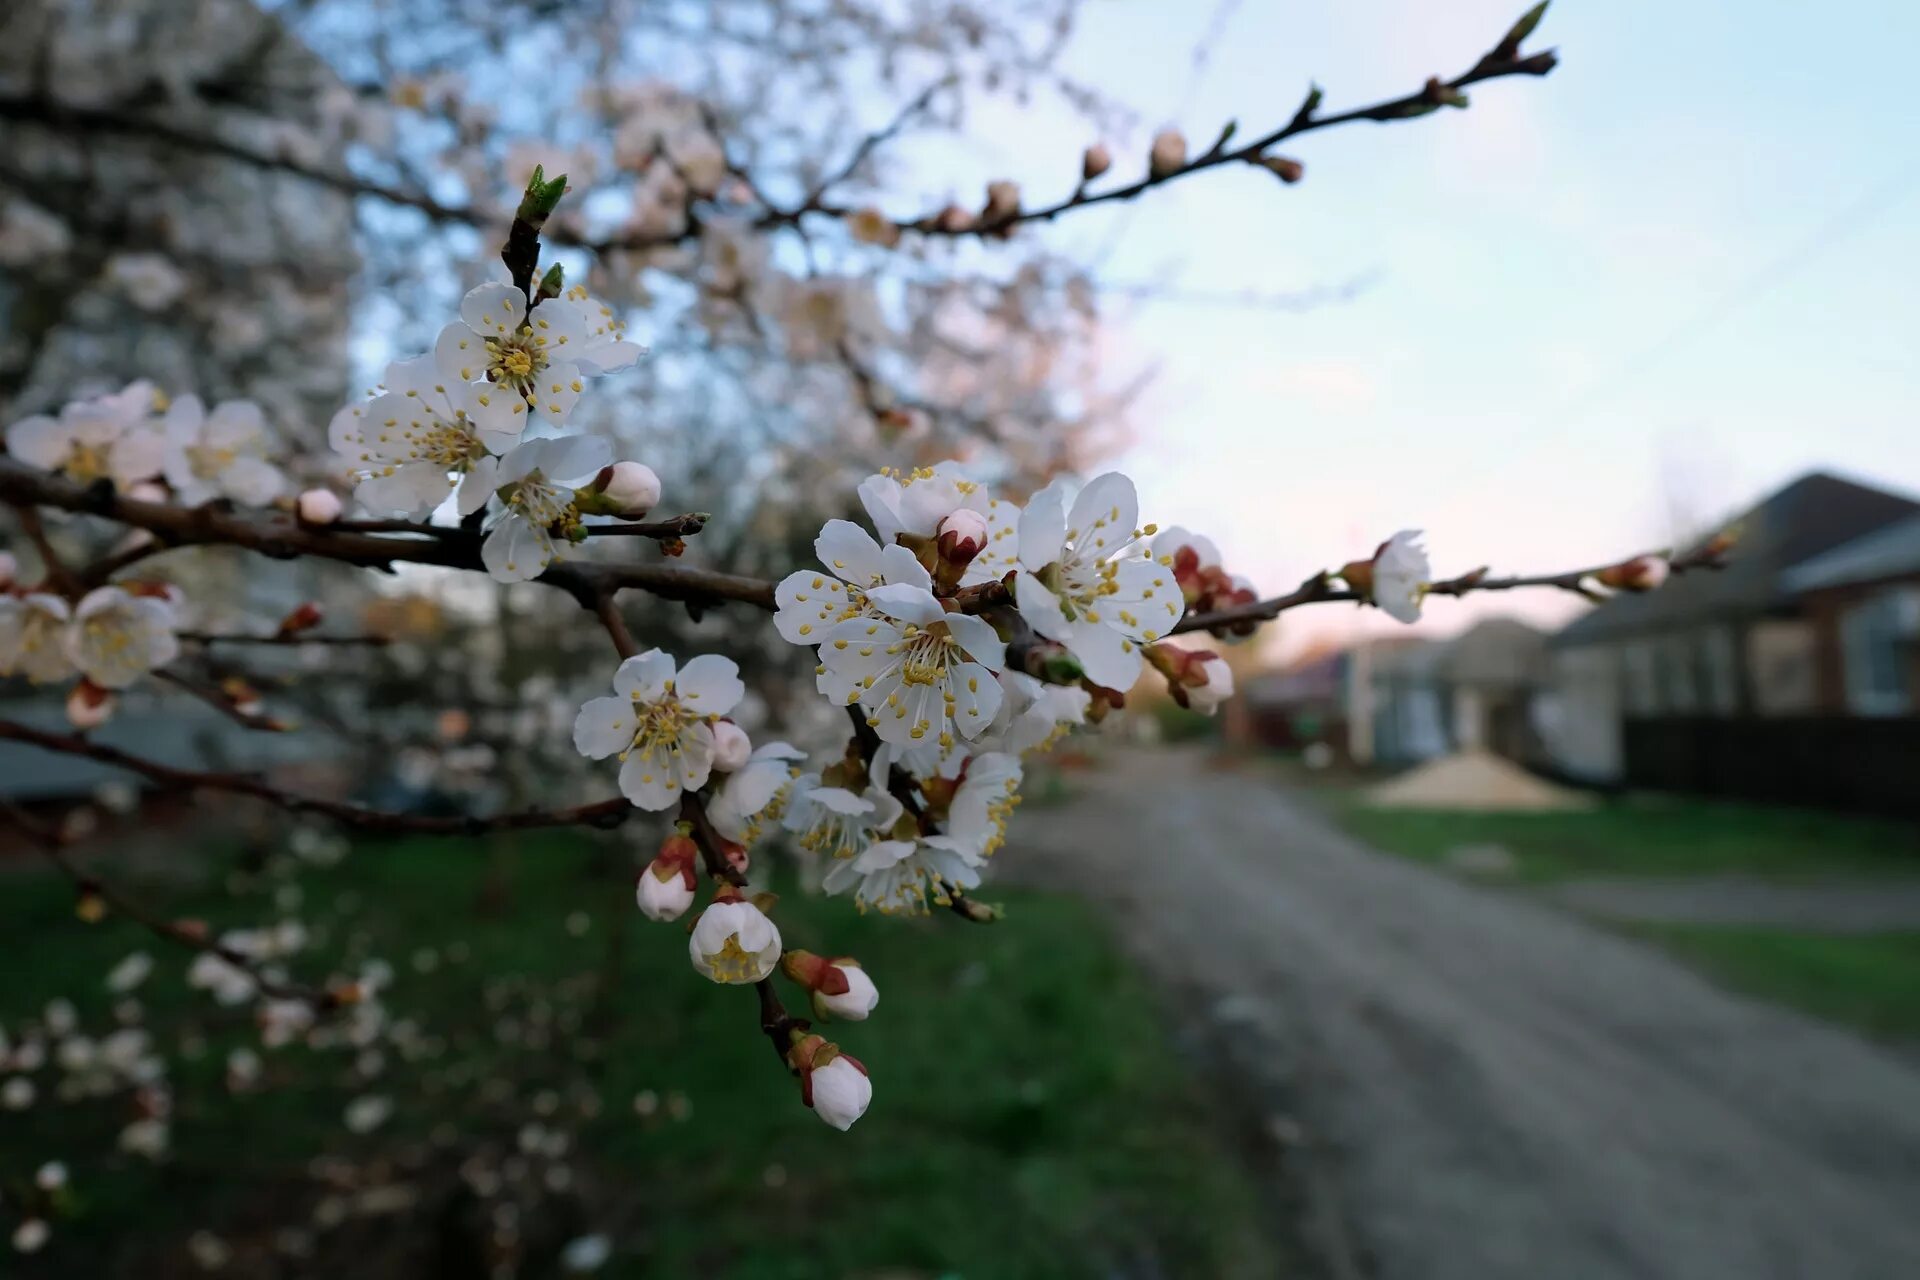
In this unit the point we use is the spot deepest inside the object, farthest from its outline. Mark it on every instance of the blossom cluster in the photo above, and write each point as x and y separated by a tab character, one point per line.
462	422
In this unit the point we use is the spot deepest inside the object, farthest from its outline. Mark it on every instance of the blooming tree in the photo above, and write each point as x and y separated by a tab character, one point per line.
954	631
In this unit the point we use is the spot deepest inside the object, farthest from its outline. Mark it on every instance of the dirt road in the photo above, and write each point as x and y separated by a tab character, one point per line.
1478	1086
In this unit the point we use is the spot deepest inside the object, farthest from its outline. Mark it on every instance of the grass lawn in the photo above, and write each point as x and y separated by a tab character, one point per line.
1030	1117
1650	836
1870	981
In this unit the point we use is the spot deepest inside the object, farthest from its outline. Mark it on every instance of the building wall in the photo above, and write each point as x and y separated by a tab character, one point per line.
1841	686
1579	716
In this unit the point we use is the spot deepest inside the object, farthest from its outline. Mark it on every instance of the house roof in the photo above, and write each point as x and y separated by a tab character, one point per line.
1891	552
1495	652
1814	514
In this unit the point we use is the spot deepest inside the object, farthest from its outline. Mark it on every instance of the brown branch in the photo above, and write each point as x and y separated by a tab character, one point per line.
1503	60
219	702
282	537
604	814
675	527
51	846
58	575
607	609
287	639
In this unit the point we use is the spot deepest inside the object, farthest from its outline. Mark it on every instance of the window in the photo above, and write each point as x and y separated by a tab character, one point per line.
1877	638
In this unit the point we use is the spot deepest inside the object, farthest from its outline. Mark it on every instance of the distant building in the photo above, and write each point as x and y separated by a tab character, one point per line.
1413	700
1737	681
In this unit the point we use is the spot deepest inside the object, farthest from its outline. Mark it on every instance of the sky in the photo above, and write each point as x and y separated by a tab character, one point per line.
1598	308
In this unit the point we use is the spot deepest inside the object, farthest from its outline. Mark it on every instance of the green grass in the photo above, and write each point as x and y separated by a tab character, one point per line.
1651	836
1030	1117
1869	981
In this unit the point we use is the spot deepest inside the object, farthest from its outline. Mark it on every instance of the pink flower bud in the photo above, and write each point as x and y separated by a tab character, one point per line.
89	706
1642	573
318	506
1095	162
1168	154
853	1004
954	220
1003	201
731	747
665	889
632	486
962	535
833	1083
1216	686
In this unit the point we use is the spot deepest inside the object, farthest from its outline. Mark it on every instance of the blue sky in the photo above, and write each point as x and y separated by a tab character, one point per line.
1633	295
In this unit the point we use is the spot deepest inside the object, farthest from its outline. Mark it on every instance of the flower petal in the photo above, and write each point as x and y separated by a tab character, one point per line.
907	603
604	726
493	309
710	685
849	551
644	676
981	642
1104	516
1041	608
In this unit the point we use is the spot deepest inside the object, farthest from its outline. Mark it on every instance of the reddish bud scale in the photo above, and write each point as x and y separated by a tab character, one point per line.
303	617
678	855
815	973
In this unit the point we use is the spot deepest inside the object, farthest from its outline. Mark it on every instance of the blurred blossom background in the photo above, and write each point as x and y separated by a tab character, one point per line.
1572	930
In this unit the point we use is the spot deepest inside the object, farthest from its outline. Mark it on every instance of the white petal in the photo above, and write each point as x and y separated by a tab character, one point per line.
252	482
494	309
574	460
39	441
849	551
1041	608
554	392
1104	516
604	726
644	676
976	698
1109	659
710	685
908	604
648	781
693	763
981	642
516	551
1042	529
900	567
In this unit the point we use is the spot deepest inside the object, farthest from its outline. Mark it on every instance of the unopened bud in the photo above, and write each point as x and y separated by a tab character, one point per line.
241	696
631	488
1168	154
89	705
954	220
870	226
1052	663
1216	683
731	747
1642	573
962	536
667	885
303	617
552	284
833	1083
1288	171
977	911
1003	201
88	905
1095	162
318	506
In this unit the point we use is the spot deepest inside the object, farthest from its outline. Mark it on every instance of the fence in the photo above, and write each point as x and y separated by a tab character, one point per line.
1830	761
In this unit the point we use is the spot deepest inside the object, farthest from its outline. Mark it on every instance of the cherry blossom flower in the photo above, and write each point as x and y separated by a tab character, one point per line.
1218	686
222	454
117	636
1032	714
915	502
751	794
1084	586
659	724
539	517
731	746
808	603
899	876
1001	554
107	437
839	988
542	358
921	673
733	941
33	637
984	800
631	487
832	1082
1400	576
666	888
819	314
429	430
31	1235
835	822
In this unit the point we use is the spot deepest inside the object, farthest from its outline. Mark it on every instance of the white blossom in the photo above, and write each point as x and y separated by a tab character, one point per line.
33	637
984	800
752	792
662	891
129	973
857	1001
731	746
921	673
426	432
542	359
633	487
585	1254
148	1137
1401	573
835	822
318	506
1084	584
734	942
222	454
915	503
658	723
894	876
31	1235
1218	688
116	636
365	1114
841	1092
107	437
808	603
538	515
150	281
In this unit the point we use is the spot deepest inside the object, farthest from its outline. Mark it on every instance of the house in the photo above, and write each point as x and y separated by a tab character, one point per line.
1411	700
1300	705
1862	601
1721	681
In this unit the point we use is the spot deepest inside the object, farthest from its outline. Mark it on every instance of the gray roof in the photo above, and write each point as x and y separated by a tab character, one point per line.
1811	516
1891	552
1495	652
